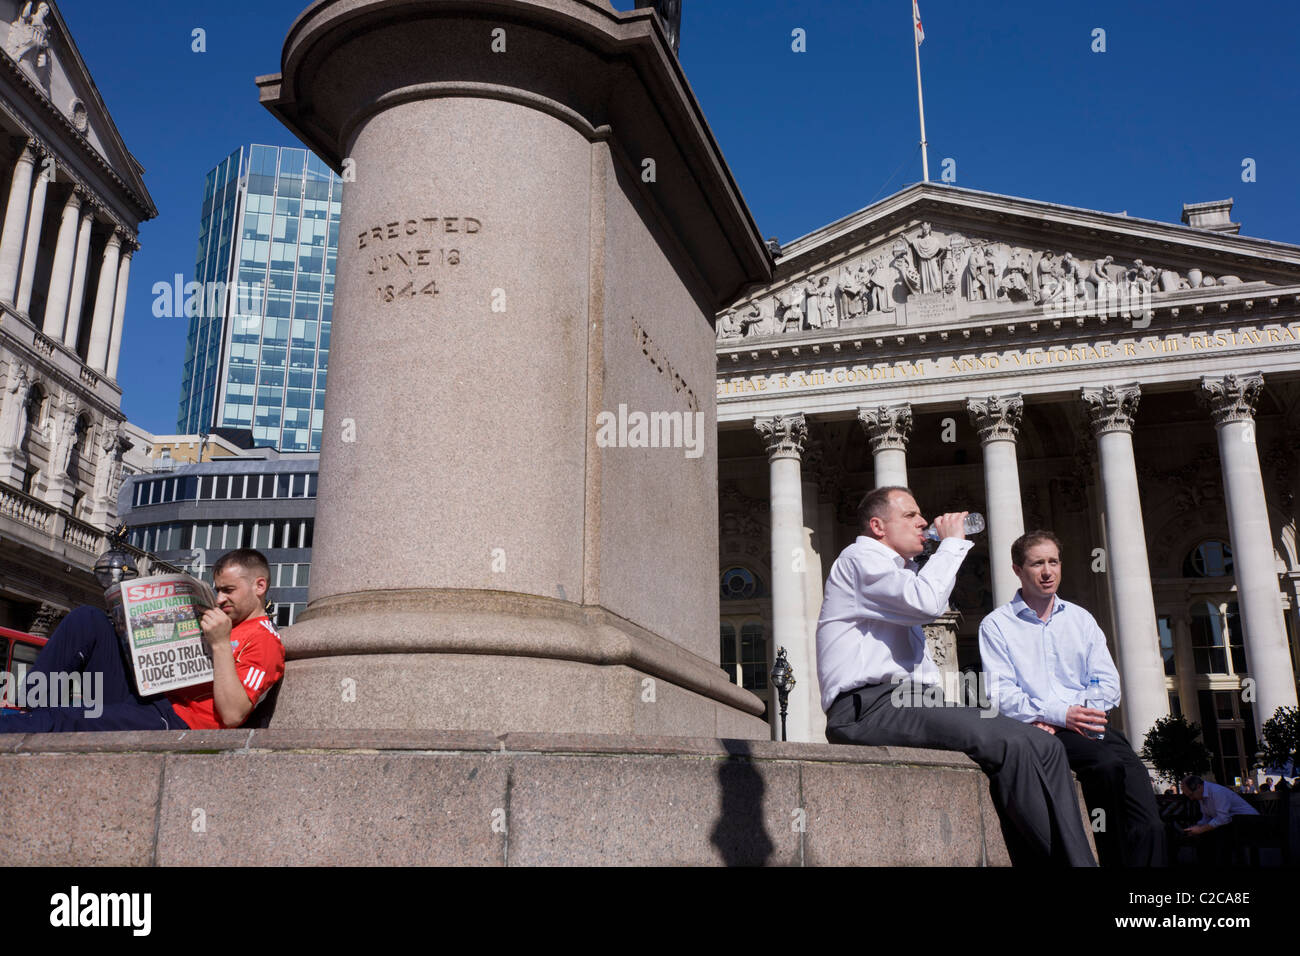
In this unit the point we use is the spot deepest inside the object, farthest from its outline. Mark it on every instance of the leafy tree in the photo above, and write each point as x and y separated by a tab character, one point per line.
1173	747
1282	738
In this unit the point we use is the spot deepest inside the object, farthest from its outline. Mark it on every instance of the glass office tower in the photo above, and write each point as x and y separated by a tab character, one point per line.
259	332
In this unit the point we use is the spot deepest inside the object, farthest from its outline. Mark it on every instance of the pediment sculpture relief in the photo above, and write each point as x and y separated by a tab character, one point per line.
29	38
923	267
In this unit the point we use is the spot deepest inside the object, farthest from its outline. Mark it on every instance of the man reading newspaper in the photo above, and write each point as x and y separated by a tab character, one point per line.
247	660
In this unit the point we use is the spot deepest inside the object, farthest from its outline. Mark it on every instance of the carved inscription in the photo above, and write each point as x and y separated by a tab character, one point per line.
406	254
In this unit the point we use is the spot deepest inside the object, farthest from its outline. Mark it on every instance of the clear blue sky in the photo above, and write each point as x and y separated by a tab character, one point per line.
1184	92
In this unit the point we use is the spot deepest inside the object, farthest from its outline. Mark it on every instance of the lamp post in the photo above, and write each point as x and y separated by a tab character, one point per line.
783	680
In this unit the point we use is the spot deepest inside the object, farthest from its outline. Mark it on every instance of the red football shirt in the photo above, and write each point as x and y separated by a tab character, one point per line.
259	662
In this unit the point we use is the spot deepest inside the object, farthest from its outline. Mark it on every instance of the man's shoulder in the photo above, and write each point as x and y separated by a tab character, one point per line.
256	630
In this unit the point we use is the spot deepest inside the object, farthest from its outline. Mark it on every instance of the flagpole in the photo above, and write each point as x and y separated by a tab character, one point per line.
920	101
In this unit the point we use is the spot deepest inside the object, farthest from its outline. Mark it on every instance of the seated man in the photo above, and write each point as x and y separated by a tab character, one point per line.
1215	833
871	654
1039	653
247	660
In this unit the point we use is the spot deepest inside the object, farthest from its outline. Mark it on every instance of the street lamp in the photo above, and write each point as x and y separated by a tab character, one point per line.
783	680
116	564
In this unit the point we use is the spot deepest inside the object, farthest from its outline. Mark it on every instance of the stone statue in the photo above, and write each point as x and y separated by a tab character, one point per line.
1139	280
789	307
929	251
108	461
952	263
1101	277
728	326
903	263
982	274
65	436
1047	281
13	413
851	292
29	33
819	308
880	285
670	18
1017	283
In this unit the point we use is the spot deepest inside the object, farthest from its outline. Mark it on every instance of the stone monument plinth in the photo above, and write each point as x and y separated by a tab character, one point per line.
517	521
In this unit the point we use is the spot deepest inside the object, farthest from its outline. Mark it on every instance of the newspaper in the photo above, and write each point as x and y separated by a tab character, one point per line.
158	620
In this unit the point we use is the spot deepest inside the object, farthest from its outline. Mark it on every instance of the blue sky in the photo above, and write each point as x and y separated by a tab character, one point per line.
1185	91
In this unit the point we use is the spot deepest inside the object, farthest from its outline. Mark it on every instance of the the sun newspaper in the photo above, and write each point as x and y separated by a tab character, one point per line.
158	620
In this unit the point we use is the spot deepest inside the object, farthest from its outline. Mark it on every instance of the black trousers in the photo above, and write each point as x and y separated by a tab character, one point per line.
85	642
1029	776
1129	832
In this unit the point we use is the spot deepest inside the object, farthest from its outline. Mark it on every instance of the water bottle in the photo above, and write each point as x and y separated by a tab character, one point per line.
1096	702
974	523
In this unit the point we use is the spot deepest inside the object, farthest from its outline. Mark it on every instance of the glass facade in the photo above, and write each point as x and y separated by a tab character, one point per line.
259	334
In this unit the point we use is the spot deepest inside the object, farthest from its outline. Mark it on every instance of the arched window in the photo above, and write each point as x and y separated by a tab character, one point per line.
1209	559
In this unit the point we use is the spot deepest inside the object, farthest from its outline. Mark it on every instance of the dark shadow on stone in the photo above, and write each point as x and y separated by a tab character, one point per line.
739	833
260	718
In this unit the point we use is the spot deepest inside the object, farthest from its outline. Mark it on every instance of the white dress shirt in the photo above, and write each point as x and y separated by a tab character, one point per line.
1037	670
1219	805
869	631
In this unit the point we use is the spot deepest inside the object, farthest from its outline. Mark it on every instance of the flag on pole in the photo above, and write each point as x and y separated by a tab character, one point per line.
916	19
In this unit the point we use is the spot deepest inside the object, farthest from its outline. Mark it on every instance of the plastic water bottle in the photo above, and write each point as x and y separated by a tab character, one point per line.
974	523
1096	702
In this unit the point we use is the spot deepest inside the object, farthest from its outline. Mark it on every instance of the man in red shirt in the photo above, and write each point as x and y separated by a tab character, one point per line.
247	660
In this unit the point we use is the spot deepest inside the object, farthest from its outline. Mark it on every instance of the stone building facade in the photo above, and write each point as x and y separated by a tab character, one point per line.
1132	385
73	198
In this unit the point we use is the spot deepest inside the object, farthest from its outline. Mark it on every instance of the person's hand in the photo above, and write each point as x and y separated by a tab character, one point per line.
216	628
1044	726
951	525
1085	720
1198	829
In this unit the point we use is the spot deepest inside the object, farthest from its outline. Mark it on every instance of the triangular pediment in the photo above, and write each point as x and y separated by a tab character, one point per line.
42	56
941	256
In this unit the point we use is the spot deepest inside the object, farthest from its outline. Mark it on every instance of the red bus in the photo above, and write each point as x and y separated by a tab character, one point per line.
18	652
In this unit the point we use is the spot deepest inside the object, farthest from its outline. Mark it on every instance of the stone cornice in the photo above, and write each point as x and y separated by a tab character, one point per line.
1191	310
144	203
1068	222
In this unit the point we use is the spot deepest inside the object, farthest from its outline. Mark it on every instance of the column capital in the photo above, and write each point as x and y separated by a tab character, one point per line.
784	435
1112	408
116	239
31	149
1231	398
997	418
888	427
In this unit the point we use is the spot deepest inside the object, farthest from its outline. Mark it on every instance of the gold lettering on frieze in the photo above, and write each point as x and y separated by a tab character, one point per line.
1174	345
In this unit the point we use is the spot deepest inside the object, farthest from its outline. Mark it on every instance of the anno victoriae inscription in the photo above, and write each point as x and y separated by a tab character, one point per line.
406	254
1172	346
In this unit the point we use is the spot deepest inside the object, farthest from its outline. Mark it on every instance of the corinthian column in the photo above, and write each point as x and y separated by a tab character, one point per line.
997	419
784	437
15	227
119	308
78	296
65	253
888	428
1137	638
102	322
1231	400
32	244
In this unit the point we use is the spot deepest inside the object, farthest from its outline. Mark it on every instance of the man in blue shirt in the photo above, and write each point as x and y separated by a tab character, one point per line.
1039	654
1218	830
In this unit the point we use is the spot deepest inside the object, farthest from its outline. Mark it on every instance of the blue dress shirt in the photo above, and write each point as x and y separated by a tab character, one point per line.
1036	670
1219	805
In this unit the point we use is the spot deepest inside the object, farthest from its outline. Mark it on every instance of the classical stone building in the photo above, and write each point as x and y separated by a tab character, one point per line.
1131	385
73	197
